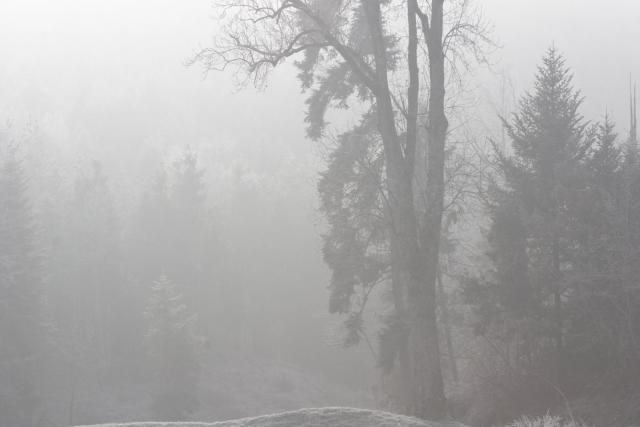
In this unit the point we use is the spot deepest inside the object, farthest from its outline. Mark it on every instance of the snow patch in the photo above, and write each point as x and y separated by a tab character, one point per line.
320	417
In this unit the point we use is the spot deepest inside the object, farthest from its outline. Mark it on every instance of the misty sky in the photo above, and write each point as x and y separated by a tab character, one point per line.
102	86
60	56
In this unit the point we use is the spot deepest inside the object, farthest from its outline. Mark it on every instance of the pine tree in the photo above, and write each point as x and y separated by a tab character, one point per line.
608	222
172	350
597	221
190	232
151	232
21	312
173	234
102	301
606	157
531	238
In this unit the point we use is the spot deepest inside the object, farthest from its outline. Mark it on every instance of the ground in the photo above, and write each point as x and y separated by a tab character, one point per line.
321	417
227	390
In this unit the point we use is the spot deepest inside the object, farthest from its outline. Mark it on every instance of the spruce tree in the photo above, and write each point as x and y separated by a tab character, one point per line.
172	349
173	234
150	232
531	239
605	159
607	221
190	232
103	301
21	312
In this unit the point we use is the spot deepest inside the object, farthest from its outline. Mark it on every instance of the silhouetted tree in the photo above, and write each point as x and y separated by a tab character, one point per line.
22	326
172	350
348	53
532	243
172	233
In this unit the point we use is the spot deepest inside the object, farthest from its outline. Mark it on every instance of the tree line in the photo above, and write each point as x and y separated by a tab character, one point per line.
145	299
543	311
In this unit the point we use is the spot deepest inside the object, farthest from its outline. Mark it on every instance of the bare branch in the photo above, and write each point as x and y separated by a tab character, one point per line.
260	34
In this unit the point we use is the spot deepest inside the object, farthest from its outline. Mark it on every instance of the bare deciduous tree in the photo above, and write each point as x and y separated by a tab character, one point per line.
350	50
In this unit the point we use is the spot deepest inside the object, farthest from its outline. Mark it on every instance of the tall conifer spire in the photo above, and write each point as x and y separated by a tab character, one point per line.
633	115
632	142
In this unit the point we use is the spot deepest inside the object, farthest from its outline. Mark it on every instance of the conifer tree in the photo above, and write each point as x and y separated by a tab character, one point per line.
190	232
22	329
606	156
105	318
173	234
149	250
172	350
608	226
531	239
356	246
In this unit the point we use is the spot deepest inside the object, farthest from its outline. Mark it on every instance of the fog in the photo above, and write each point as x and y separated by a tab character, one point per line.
175	240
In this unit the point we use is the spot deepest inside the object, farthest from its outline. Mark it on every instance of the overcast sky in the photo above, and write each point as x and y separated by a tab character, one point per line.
119	63
599	40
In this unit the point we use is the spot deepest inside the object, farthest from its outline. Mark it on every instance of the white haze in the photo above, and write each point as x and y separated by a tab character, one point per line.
106	80
127	59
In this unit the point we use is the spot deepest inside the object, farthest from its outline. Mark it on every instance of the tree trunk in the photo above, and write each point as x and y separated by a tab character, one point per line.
557	302
425	395
446	324
436	129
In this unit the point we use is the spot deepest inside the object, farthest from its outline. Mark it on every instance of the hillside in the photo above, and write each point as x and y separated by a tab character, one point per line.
226	390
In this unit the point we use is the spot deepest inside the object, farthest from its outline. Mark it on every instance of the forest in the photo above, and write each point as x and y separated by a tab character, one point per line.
224	209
